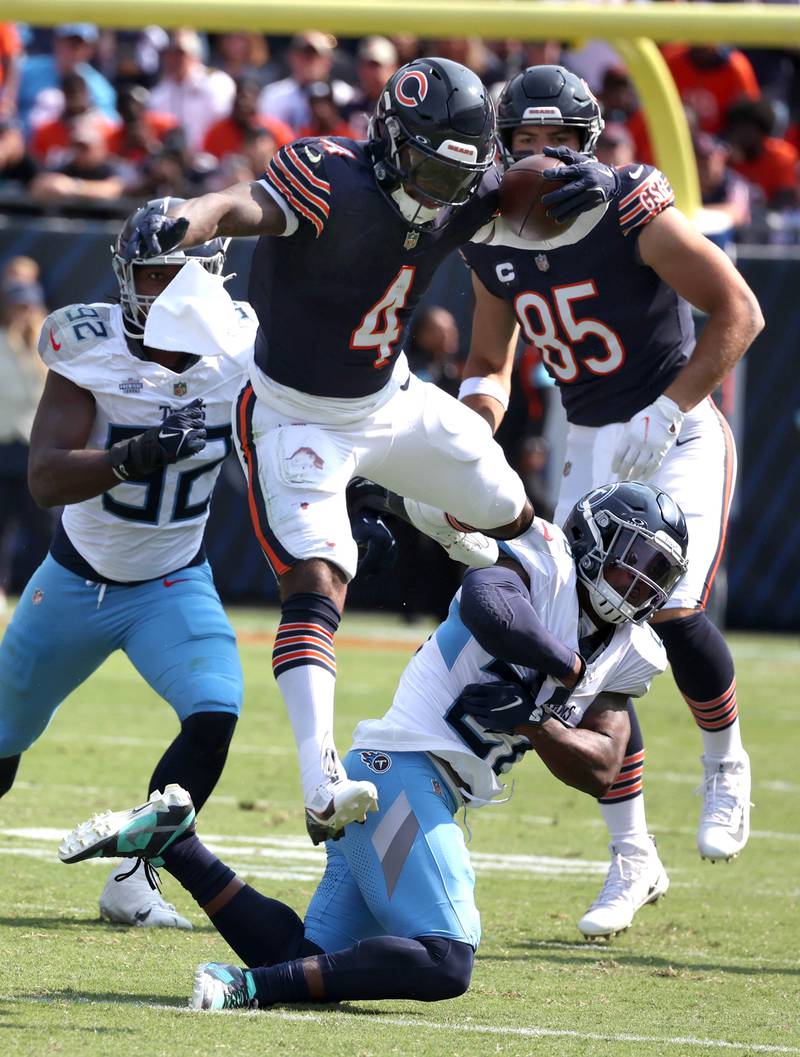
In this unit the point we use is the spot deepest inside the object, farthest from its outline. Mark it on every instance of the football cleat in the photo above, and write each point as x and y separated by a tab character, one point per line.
335	804
725	815
131	901
470	548
635	878
218	986
143	832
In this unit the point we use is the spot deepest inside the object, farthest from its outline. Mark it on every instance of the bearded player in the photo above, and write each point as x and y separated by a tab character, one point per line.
609	304
351	235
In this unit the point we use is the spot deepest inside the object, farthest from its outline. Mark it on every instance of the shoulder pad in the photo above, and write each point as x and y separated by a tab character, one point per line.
69	332
644	193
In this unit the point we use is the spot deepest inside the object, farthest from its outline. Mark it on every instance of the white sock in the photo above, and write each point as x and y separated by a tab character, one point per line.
308	693
723	744
627	822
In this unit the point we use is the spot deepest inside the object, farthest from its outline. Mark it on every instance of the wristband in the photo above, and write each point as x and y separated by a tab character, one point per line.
485	386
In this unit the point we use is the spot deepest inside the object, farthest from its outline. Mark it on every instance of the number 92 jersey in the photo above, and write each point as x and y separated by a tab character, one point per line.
143	530
425	715
612	334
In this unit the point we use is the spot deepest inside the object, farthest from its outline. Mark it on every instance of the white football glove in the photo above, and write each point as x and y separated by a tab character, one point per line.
646	440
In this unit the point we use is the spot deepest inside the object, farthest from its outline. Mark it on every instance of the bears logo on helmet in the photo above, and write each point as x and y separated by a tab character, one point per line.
412	88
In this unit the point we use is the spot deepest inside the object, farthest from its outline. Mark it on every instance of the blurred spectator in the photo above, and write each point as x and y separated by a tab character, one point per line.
40	97
620	105
377	61
326	118
257	150
227	135
10	51
433	349
592	61
174	170
763	159
722	190
16	165
710	79
615	145
22	312
310	58
141	131
193	94
471	52
50	141
245	55
406	46
87	171
136	56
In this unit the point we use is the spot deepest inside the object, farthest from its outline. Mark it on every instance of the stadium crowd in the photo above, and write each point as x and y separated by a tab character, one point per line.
94	122
91	119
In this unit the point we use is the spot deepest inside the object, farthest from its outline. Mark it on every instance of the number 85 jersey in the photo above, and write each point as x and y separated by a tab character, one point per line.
611	333
143	530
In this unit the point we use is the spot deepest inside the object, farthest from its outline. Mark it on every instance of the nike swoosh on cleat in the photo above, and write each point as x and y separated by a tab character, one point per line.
142	915
687	440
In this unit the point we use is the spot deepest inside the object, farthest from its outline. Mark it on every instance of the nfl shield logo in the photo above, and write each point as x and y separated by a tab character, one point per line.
37	597
412	238
542	262
180	388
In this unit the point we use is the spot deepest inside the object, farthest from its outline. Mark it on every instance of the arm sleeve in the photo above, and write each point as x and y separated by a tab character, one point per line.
496	609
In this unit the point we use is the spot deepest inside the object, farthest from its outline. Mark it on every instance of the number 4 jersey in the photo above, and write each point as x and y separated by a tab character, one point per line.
425	715
141	530
612	334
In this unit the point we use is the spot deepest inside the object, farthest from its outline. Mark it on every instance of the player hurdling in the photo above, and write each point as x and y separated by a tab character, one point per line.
129	438
394	915
352	233
608	302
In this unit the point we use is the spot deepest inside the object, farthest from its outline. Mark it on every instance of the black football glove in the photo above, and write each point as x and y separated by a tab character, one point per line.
590	183
181	434
154	235
377	547
501	707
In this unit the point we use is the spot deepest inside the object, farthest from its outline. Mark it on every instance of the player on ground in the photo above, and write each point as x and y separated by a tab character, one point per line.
539	652
352	235
130	439
609	305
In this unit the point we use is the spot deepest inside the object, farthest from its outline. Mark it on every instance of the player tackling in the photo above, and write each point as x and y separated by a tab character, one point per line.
540	651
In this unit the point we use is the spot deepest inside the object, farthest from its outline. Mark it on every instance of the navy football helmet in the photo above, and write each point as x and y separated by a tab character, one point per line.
629	543
548	95
135	306
432	135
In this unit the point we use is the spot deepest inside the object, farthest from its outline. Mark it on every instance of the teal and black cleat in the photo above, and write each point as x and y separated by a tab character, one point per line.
143	832
218	986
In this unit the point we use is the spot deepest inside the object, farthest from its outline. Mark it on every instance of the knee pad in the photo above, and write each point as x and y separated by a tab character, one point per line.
210	733
454	960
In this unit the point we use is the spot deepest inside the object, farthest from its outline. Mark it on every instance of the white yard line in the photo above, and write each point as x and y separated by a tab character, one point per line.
361	1020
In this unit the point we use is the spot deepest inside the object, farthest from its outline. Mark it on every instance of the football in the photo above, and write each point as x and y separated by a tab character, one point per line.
521	192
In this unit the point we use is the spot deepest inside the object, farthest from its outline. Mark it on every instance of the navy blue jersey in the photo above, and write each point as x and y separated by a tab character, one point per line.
334	298
612	334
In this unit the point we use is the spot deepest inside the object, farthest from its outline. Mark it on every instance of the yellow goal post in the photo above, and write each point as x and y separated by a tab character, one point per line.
633	29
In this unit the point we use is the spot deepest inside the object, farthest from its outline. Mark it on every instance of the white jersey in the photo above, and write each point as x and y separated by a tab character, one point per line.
143	530
424	715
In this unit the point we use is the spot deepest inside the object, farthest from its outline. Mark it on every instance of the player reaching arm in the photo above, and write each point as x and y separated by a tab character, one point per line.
395	916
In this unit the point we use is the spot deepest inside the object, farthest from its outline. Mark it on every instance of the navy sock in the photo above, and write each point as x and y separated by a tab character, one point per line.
196	757
262	931
8	772
628	782
702	667
427	969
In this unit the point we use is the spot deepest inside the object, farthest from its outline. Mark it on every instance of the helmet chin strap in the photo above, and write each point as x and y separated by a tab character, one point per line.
412	210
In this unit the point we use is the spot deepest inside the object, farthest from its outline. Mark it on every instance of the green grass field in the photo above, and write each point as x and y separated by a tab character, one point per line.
713	967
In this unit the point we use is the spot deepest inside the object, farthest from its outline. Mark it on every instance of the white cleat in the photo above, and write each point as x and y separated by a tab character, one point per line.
469	548
336	804
132	901
725	815
635	878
